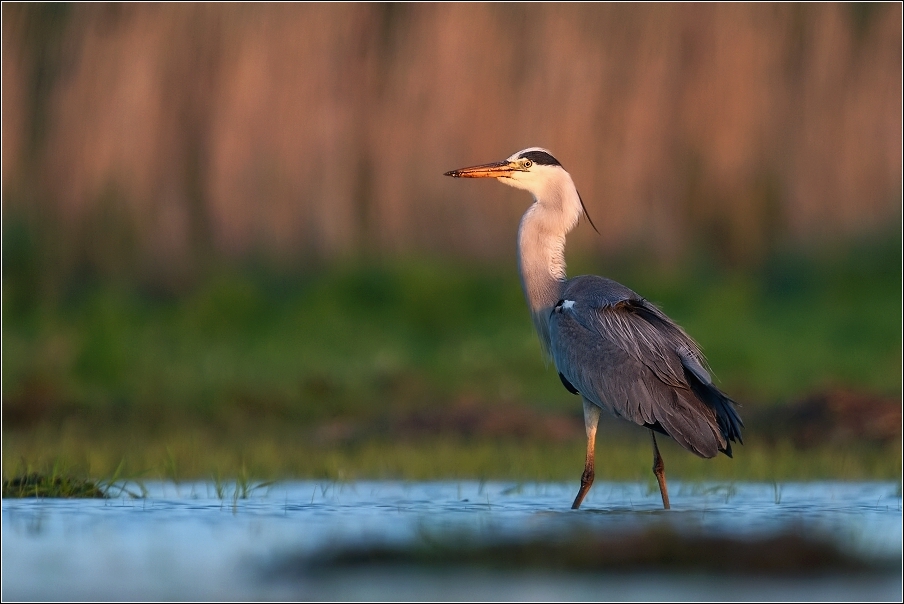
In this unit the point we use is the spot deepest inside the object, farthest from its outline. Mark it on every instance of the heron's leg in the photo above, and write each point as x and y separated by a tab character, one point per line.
659	471
591	420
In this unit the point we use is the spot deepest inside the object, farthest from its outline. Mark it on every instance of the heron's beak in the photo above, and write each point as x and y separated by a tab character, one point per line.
494	170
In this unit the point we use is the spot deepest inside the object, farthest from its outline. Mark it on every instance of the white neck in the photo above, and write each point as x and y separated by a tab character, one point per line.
541	248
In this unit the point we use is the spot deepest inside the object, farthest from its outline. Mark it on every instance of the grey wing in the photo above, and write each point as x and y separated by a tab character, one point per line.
622	353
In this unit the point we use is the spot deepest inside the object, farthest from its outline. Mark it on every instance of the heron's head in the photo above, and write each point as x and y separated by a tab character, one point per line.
533	169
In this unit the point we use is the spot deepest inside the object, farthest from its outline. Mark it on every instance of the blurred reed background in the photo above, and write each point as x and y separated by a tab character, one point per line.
213	207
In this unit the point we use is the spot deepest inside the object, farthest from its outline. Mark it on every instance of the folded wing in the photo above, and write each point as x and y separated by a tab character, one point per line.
624	354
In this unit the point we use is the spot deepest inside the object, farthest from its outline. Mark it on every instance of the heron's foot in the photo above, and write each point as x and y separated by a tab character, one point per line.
586	483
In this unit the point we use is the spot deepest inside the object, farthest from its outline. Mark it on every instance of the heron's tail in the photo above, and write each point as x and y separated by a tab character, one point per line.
729	422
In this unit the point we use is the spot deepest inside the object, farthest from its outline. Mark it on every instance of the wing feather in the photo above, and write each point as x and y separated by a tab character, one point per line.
624	354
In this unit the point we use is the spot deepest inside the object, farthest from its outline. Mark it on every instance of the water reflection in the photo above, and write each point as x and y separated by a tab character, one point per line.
295	541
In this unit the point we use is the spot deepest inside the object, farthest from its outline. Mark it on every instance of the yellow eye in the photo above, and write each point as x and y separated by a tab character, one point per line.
528	163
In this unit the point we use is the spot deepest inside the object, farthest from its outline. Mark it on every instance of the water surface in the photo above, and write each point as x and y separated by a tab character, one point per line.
204	541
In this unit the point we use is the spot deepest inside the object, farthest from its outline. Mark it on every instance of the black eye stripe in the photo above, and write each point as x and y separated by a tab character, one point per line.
541	157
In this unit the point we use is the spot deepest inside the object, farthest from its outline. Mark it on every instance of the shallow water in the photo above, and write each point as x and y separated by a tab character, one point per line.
186	541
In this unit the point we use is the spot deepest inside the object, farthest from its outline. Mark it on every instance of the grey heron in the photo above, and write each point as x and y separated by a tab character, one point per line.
612	347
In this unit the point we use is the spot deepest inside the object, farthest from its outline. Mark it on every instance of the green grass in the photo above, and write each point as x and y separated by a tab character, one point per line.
347	341
265	455
58	480
41	485
238	370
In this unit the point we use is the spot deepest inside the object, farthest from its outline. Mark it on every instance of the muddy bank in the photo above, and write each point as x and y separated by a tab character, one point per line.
837	417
